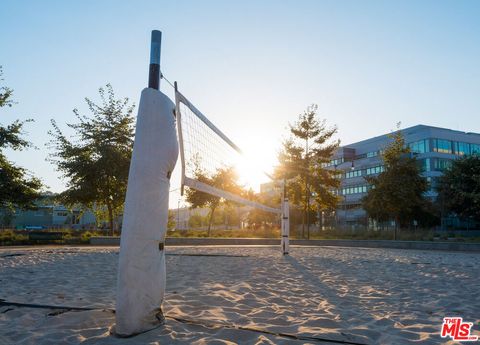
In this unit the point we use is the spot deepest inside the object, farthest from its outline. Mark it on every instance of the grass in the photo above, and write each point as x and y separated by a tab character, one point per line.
224	233
70	236
9	236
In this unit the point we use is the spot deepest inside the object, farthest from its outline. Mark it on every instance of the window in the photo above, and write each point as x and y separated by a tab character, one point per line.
440	164
375	170
368	155
433	184
442	146
424	164
62	214
75	219
353	173
474	148
352	206
461	149
355	190
420	146
336	161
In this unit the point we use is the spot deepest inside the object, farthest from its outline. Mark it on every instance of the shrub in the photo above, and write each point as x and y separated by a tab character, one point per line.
85	237
6	236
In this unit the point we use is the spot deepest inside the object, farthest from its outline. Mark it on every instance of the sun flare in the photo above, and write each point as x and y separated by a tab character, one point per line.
252	169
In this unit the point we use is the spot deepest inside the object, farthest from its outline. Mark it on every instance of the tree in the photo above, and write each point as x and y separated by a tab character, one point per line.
195	221
229	215
258	218
18	188
5	93
223	178
398	192
171	223
302	161
459	188
95	161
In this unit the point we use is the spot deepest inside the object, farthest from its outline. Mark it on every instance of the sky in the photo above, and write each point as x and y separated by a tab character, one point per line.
250	66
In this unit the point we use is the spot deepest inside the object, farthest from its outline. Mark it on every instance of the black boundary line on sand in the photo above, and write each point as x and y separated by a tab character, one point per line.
168	254
4	303
221	255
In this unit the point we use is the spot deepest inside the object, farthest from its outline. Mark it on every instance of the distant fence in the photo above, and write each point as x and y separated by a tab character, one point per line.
463	233
45	236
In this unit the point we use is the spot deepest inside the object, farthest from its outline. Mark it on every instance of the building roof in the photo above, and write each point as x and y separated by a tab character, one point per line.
410	130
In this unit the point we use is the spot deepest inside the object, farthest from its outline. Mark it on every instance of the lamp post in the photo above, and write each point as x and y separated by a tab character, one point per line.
352	168
339	193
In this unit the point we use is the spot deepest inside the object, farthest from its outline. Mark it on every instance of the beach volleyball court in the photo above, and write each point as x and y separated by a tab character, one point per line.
244	295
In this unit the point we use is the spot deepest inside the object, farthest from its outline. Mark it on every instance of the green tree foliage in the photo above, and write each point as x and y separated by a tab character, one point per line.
225	179
171	223
5	93
398	192
459	188
195	221
96	160
258	218
18	188
228	216
302	161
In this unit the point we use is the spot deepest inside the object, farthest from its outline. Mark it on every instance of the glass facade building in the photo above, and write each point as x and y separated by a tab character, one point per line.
435	148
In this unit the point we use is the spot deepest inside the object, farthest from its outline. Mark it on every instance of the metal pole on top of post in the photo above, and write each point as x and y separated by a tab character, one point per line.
154	68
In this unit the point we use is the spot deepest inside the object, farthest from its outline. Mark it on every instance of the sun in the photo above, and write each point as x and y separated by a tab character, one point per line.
252	169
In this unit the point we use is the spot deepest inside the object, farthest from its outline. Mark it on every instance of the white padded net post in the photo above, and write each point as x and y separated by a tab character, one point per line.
203	147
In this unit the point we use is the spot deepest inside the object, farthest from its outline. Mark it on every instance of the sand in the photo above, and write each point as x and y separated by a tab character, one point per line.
368	296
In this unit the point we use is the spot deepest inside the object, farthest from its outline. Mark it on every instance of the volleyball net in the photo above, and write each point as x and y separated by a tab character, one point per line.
210	160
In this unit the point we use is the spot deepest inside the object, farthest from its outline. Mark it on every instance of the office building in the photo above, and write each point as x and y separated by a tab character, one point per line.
434	147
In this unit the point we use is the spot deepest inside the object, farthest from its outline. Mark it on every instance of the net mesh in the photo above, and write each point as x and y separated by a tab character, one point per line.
210	160
204	150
